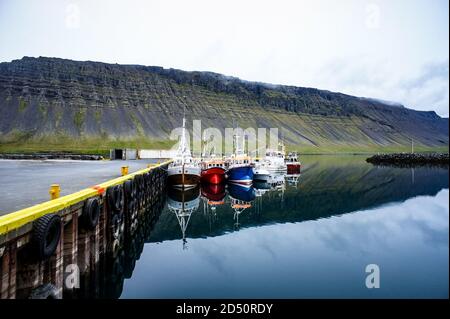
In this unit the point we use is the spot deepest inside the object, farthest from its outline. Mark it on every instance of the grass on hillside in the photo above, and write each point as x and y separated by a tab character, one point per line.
101	146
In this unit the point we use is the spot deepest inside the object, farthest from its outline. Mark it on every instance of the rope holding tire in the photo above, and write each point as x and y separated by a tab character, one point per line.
46	235
91	213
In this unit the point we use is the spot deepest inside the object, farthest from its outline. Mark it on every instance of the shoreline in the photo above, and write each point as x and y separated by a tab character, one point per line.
410	159
52	156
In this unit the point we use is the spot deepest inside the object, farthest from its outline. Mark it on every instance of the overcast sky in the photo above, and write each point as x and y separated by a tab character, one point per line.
396	50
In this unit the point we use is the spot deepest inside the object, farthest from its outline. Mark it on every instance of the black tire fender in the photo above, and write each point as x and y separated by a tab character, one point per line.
129	189
91	213
114	195
116	226
47	291
46	235
115	248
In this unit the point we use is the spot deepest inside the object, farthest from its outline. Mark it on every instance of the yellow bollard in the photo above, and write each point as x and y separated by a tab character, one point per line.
124	170
54	191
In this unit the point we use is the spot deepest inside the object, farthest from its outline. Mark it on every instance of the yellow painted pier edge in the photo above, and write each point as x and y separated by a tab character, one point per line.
24	216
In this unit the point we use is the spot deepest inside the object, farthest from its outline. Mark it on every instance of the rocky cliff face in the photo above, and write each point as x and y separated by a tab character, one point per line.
47	96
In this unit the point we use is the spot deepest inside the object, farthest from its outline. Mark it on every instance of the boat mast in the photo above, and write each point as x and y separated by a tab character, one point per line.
183	148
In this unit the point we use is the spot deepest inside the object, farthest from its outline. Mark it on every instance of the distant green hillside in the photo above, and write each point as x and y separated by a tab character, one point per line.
55	104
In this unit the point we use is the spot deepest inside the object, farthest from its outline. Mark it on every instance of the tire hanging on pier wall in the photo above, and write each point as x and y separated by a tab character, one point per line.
139	184
148	188
46	291
115	208
114	195
91	213
46	235
131	210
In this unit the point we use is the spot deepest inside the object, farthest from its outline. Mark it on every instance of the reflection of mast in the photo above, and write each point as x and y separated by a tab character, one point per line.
212	196
258	206
293	179
239	206
209	209
183	221
183	208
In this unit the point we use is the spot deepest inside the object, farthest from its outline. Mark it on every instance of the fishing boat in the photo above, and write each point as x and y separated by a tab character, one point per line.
273	162
277	181
213	171
184	172
240	167
292	163
260	173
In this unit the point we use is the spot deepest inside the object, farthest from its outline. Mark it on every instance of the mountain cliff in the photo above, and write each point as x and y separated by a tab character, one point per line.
50	100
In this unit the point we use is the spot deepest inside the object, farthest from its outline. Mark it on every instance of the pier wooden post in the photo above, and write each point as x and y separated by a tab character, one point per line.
83	251
8	272
102	228
94	261
30	275
56	265
71	241
70	245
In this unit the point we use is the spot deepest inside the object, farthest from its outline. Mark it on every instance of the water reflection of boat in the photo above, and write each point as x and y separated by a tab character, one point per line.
261	185
242	193
183	204
241	198
274	183
292	179
177	196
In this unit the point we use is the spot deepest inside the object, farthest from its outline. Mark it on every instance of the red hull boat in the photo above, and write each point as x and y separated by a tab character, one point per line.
213	171
213	175
292	163
293	168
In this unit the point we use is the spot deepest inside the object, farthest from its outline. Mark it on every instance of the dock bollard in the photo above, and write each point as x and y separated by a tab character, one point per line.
54	191
124	170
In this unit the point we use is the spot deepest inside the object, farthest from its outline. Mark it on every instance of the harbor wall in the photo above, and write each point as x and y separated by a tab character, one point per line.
94	227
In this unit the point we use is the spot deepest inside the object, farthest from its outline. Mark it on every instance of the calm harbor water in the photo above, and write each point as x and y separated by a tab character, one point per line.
306	237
